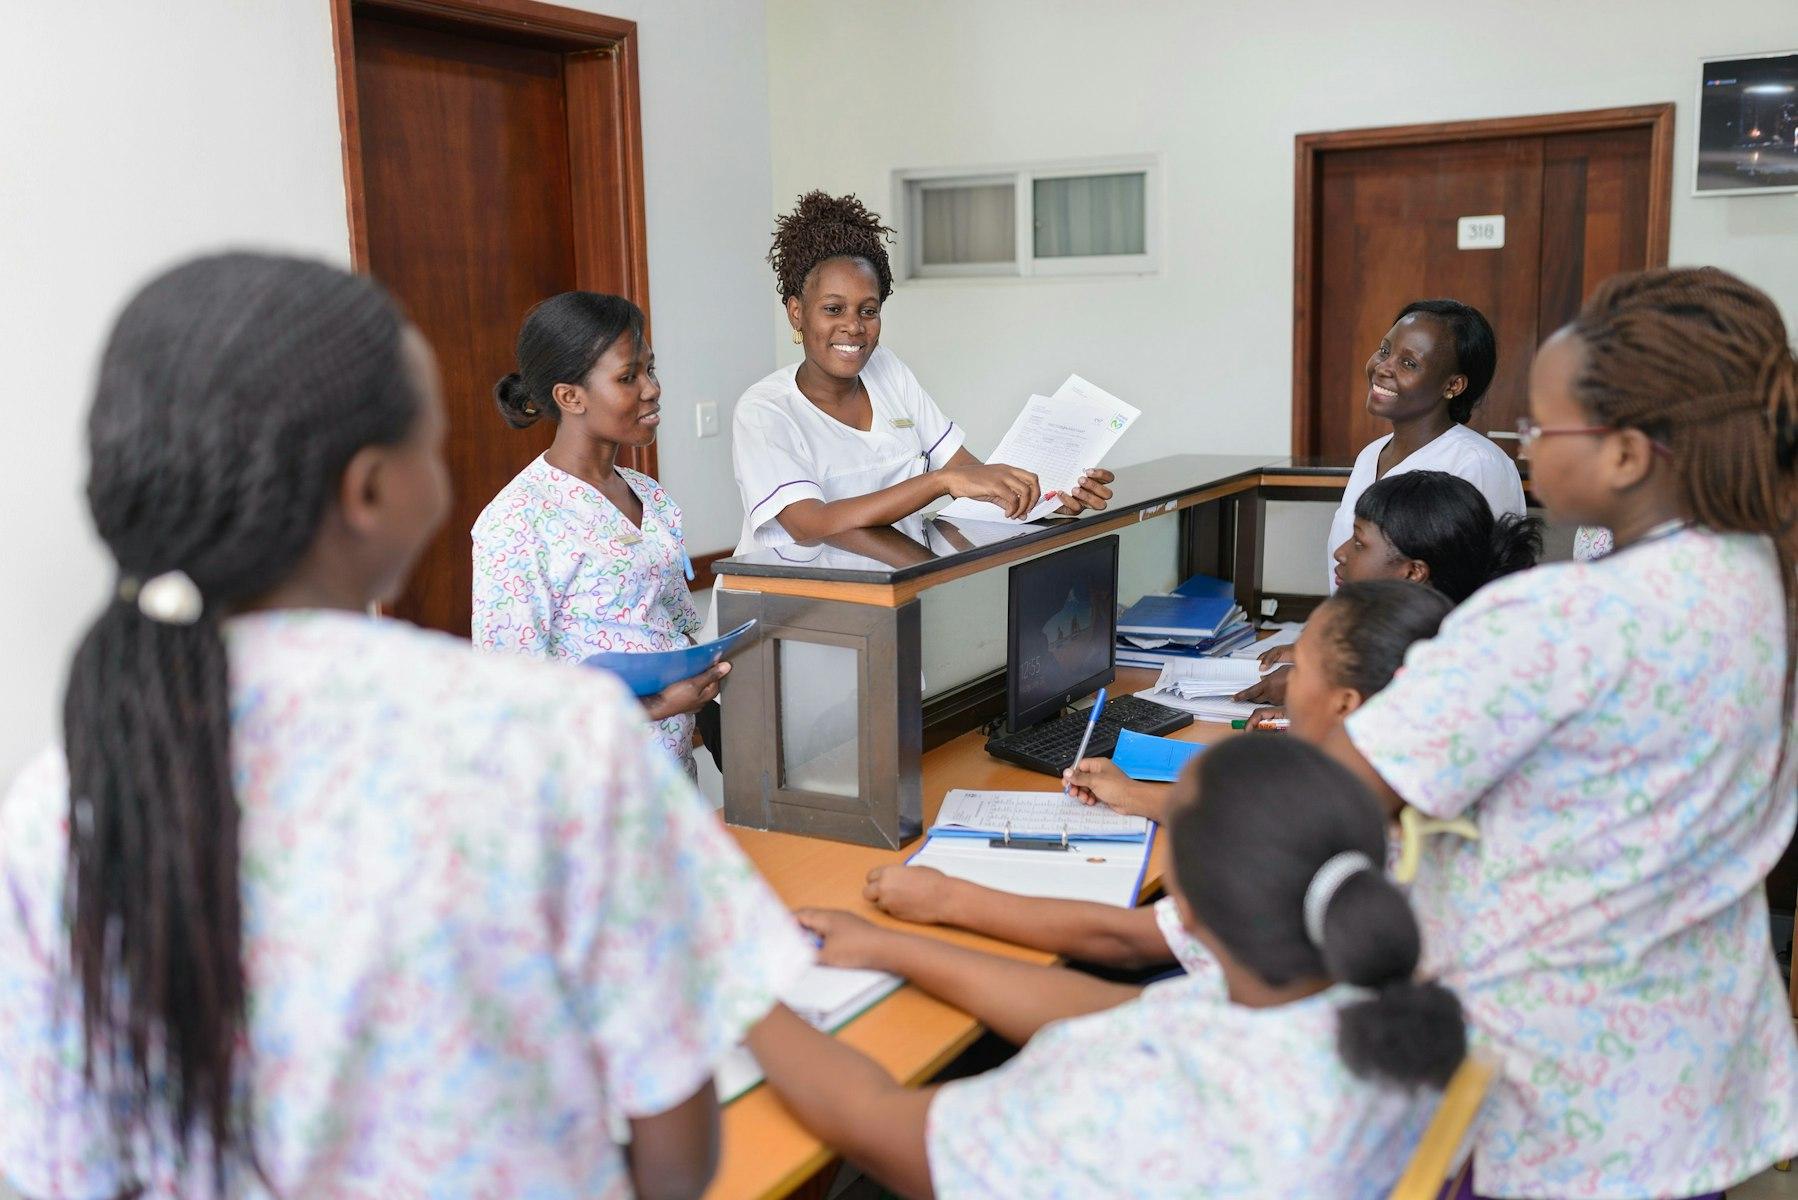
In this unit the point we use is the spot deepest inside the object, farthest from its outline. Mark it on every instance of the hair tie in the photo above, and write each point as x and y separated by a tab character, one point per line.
1413	827
170	598
1322	889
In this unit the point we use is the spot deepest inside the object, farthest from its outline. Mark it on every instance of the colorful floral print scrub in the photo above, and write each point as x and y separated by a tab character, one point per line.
560	573
481	916
1178	1093
1612	727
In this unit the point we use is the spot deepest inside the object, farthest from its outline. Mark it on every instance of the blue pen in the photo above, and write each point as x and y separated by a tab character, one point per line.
1092	723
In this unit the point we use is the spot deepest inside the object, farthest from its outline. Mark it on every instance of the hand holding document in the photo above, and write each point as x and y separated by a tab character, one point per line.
1055	438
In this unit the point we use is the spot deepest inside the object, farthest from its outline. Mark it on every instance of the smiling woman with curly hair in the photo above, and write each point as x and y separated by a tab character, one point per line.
848	438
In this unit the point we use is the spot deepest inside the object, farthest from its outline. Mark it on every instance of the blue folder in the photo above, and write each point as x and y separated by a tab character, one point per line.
1176	616
650	671
1154	759
1201	587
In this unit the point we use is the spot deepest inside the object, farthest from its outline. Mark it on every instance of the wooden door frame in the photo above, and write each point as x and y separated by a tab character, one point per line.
600	78
1307	147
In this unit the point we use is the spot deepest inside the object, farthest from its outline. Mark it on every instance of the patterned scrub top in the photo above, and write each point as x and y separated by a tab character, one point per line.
482	916
1612	727
560	573
1178	1093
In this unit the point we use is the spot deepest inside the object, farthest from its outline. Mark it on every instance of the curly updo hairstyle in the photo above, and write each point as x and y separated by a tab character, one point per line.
822	227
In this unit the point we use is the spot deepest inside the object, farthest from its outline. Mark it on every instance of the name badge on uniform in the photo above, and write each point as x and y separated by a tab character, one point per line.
629	539
900	422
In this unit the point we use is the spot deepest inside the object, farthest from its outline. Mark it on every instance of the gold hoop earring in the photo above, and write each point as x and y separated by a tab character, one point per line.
798	338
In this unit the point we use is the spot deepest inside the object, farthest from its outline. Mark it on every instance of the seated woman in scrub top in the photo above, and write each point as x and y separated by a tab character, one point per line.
848	438
1426	375
578	555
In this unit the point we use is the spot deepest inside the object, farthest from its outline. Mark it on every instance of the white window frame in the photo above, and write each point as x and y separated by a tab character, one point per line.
907	184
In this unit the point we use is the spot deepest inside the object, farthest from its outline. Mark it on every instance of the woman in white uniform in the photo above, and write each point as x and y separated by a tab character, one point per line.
848	438
1426	376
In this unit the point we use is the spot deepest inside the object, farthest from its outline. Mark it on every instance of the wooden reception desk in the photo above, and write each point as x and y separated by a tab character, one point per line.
858	595
825	727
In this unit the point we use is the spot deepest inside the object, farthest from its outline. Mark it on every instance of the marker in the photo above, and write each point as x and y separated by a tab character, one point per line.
1092	722
1270	723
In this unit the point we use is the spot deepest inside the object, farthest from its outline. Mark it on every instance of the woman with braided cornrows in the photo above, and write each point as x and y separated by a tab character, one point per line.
318	904
1621	732
848	438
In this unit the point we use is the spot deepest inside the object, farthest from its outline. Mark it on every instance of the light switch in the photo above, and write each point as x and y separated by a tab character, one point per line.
706	412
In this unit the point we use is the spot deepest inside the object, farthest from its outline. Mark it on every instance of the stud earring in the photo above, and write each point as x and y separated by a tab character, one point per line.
798	338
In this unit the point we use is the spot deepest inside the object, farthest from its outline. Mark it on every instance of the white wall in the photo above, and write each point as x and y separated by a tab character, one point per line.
861	88
137	133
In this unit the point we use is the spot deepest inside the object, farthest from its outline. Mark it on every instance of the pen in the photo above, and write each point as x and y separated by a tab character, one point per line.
1270	723
1092	722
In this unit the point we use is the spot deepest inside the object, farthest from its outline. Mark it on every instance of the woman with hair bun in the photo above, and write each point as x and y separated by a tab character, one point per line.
848	438
579	555
1435	528
1426	375
1299	1056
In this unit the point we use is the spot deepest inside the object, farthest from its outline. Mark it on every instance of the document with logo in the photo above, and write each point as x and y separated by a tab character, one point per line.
1055	437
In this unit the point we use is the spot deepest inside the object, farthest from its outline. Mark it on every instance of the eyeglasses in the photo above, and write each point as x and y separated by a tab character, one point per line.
1529	433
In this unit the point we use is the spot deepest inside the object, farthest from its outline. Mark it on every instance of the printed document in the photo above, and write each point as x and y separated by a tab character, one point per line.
1056	437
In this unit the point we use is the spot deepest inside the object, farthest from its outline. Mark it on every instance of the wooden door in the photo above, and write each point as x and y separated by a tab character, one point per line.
494	166
1583	196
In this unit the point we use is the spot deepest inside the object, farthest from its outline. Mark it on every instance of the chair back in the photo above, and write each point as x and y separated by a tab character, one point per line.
1448	1138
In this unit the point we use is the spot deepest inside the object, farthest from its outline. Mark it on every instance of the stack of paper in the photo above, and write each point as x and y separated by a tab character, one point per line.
1203	687
1055	438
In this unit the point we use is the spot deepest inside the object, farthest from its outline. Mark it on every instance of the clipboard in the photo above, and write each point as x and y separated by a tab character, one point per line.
650	671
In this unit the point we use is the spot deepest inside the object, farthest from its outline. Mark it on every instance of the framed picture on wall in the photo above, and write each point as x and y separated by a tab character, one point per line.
1747	125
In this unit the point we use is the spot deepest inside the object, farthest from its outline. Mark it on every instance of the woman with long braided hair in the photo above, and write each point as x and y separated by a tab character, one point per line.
1621	732
848	438
314	903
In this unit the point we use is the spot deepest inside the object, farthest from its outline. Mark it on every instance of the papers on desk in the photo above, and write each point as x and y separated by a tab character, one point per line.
1033	815
1203	687
1104	872
827	998
1285	635
1104	857
1055	437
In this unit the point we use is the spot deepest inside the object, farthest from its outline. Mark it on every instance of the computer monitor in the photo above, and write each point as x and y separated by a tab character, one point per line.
1061	631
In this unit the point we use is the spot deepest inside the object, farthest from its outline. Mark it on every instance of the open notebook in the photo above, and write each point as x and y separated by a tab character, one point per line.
828	998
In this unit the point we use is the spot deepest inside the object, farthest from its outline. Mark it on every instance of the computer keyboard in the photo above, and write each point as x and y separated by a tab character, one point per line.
1050	746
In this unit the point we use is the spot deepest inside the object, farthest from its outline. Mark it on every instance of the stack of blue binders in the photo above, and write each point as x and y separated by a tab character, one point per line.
1200	619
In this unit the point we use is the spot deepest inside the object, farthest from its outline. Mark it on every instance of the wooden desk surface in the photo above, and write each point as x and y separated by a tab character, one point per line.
766	1154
